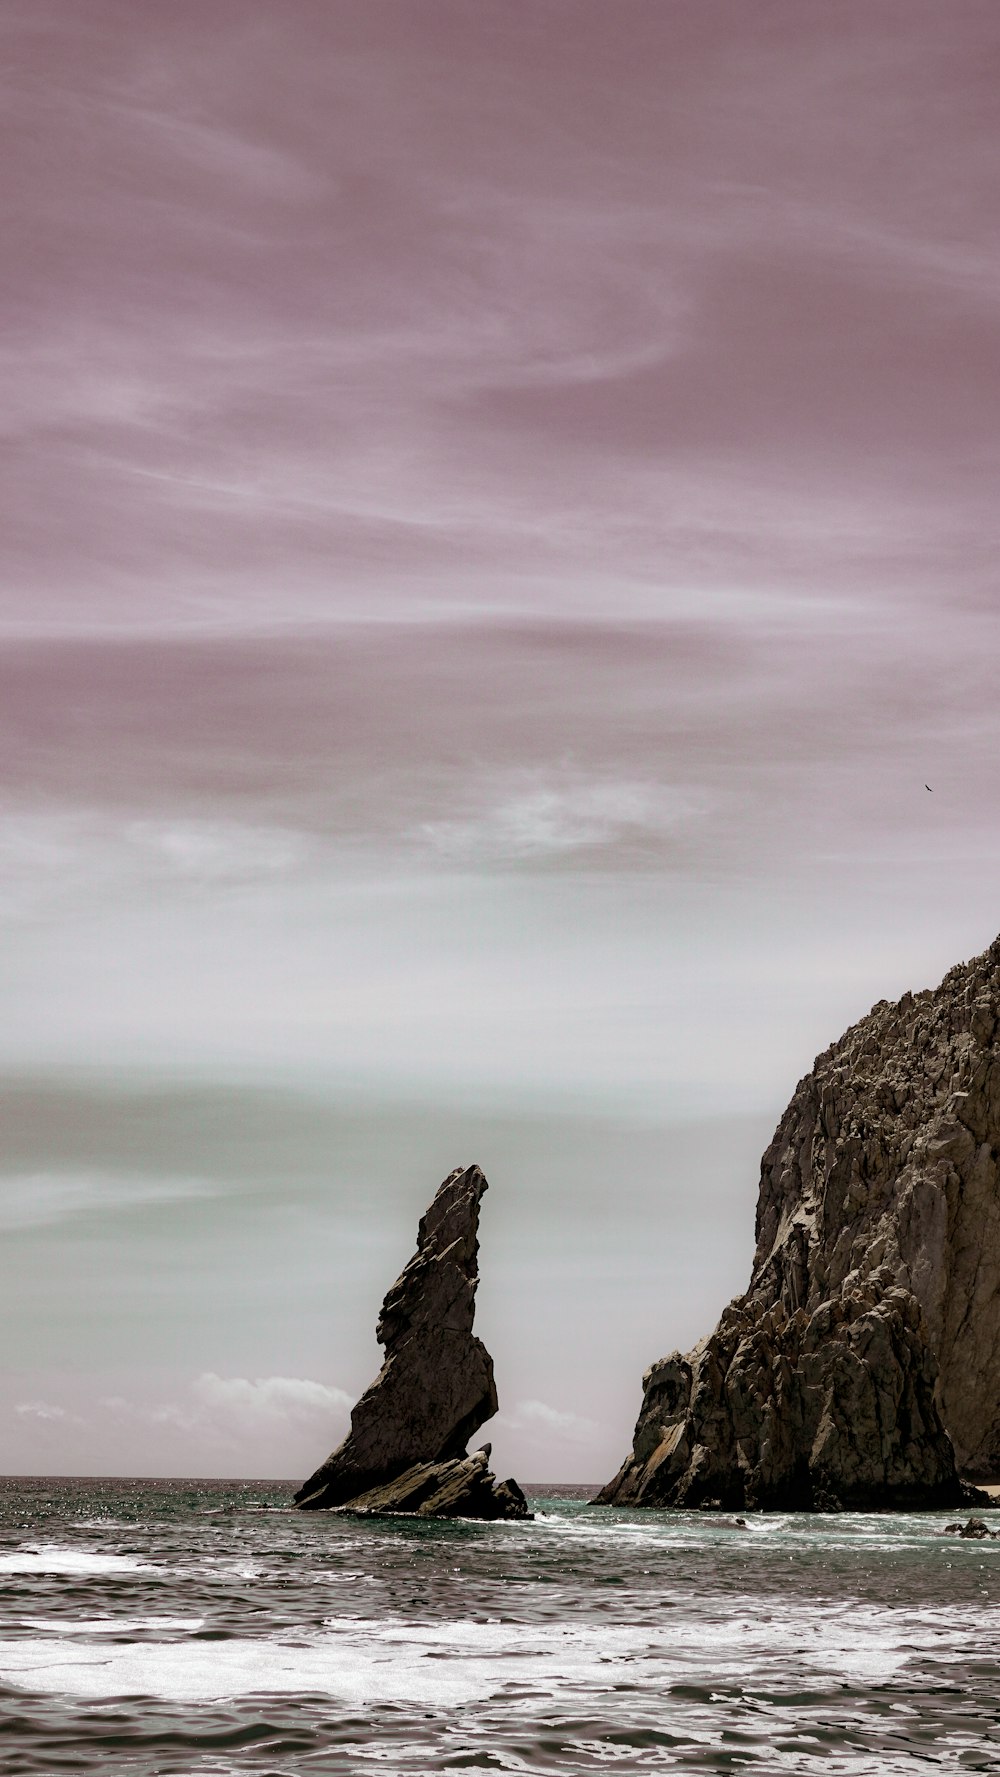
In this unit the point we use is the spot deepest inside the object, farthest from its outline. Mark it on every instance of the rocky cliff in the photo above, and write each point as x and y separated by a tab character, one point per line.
862	1366
406	1449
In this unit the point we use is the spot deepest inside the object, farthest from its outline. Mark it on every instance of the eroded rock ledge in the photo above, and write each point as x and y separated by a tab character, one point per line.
406	1449
861	1368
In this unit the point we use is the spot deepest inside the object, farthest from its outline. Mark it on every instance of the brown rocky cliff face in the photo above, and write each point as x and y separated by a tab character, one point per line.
435	1388
862	1367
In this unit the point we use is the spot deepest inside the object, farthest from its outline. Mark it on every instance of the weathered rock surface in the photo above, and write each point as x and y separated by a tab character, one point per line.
406	1449
862	1366
461	1488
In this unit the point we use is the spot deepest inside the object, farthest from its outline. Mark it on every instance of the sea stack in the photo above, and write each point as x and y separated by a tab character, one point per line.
861	1369
406	1449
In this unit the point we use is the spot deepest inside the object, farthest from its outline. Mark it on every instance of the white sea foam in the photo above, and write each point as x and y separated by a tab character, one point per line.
41	1558
417	1666
793	1533
365	1662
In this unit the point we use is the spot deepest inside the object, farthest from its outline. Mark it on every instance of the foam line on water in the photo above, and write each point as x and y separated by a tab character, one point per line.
450	1664
45	1558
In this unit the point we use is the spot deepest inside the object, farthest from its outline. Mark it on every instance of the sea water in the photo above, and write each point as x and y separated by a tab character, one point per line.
172	1627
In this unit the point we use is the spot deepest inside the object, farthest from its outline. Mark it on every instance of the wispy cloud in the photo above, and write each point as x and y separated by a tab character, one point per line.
544	281
215	152
539	1417
47	1413
211	1424
226	1409
216	851
41	1200
538	817
252	1402
51	858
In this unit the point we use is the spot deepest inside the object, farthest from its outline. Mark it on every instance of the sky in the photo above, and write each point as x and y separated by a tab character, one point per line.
498	531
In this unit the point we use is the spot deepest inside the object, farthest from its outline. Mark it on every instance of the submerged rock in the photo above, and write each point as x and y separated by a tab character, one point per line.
976	1529
862	1366
406	1449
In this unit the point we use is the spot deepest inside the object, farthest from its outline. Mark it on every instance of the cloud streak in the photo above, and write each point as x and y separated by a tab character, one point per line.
225	1410
211	1424
529	325
47	1413
538	1418
541	820
43	1200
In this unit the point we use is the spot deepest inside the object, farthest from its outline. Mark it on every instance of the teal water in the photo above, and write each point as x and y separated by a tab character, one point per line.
157	1628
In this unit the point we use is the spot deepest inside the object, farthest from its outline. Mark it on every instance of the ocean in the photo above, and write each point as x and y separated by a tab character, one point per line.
155	1627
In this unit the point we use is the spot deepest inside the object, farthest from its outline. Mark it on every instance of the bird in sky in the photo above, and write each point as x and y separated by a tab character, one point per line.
927	787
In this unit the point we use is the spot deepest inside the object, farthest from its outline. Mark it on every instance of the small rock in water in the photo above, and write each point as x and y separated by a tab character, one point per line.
975	1527
462	1488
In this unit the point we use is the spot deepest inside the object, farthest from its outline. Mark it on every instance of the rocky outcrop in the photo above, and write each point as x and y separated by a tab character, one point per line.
406	1449
862	1366
461	1488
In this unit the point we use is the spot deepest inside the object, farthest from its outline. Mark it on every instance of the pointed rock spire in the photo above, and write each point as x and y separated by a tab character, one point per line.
406	1449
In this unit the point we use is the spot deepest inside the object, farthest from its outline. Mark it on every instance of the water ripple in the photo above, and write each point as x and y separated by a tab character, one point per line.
178	1630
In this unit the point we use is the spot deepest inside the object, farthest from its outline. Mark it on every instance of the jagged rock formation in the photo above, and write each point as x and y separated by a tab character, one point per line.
461	1488
862	1366
406	1449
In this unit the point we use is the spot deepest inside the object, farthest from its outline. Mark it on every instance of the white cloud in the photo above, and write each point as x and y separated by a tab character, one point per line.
206	1425
47	1413
266	1398
538	1416
542	819
226	1409
217	151
45	857
217	851
41	1199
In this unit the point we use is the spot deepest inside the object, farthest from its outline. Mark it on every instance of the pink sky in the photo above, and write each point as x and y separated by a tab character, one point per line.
313	310
499	526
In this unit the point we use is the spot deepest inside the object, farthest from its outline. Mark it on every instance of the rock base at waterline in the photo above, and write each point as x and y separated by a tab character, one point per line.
461	1488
